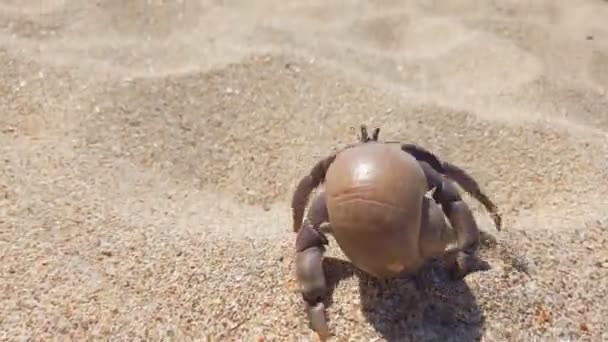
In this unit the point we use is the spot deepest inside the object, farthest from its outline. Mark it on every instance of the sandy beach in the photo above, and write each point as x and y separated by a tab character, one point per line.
149	151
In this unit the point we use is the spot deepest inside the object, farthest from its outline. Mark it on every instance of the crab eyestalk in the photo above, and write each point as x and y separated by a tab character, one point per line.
376	134
365	136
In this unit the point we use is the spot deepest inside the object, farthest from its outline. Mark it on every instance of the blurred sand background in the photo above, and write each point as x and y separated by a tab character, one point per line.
149	150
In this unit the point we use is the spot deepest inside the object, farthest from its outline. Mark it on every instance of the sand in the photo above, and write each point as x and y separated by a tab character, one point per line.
149	150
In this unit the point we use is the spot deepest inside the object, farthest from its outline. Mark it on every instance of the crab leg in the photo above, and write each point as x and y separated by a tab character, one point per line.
460	216
318	215
460	176
470	185
315	177
310	247
304	188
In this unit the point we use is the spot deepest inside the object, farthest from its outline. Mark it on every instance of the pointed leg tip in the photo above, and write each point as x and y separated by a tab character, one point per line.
318	321
498	221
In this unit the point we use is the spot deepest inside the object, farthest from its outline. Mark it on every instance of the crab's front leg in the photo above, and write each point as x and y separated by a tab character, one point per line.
434	236
305	187
310	247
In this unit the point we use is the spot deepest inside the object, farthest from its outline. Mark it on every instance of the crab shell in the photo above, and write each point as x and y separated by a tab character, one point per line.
378	211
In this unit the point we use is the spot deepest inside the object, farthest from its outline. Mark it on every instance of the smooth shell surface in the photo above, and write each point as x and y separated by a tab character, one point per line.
374	201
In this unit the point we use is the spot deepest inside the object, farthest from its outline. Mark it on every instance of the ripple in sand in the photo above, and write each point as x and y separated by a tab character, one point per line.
598	70
483	66
433	56
215	133
35	28
140	18
140	39
406	34
32	7
127	58
143	197
34	98
575	104
455	7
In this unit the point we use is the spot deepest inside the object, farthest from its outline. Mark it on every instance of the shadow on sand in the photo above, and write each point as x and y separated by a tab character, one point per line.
428	307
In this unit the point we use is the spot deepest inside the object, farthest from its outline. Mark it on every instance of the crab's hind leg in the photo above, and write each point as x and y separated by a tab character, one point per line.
461	218
310	248
305	187
468	183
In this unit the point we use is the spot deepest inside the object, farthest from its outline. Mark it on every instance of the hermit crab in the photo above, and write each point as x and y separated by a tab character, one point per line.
376	206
